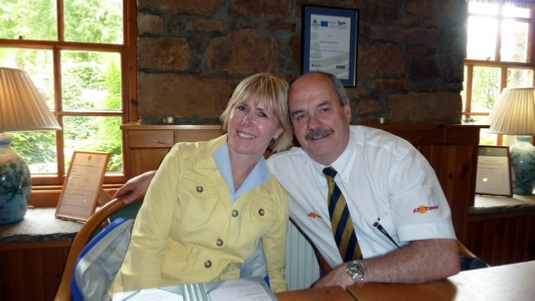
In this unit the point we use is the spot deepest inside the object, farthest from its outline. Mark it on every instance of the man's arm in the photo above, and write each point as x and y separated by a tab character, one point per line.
136	187
419	261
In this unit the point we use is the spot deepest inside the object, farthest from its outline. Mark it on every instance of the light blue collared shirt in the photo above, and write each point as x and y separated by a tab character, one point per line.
258	176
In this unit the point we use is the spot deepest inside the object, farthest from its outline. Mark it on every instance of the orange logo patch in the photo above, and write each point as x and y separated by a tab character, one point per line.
314	215
423	209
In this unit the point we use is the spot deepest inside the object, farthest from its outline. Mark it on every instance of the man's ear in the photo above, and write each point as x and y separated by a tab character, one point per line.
347	110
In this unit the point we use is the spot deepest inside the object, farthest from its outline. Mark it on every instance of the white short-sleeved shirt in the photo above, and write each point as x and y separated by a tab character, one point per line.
385	181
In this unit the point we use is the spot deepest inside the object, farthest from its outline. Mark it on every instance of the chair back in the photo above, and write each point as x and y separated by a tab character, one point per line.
99	220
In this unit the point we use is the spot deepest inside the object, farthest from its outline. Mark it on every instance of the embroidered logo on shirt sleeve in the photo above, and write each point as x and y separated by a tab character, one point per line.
423	209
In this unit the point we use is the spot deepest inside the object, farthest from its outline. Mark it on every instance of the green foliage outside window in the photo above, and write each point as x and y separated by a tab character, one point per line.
83	74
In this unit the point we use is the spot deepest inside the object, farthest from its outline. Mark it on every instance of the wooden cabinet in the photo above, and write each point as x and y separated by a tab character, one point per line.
147	145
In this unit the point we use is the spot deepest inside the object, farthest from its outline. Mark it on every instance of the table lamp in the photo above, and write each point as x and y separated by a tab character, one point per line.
22	108
514	114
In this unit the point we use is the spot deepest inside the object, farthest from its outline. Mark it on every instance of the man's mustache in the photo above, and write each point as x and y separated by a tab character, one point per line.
318	133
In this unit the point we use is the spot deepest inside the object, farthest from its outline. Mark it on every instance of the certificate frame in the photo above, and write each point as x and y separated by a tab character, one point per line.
494	171
330	42
82	187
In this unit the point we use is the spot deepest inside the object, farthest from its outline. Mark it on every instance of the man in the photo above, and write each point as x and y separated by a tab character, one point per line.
401	219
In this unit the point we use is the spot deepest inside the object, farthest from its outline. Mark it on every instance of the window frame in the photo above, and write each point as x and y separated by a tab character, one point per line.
504	66
46	187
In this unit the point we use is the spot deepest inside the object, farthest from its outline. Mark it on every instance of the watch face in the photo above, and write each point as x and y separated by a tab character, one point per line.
355	269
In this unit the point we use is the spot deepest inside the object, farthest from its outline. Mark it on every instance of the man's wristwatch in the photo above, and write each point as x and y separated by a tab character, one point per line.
355	269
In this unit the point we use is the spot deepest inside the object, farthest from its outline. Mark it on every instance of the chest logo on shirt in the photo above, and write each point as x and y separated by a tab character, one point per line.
314	215
423	209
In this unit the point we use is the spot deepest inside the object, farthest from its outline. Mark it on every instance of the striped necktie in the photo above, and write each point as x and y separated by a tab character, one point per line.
342	226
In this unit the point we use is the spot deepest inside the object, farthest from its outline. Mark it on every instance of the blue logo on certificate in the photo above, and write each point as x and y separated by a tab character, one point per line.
324	24
340	67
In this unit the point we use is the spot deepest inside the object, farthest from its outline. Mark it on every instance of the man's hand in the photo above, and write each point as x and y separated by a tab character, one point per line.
136	187
338	276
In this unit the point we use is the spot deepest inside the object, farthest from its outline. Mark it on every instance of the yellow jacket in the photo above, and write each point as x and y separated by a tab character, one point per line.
188	231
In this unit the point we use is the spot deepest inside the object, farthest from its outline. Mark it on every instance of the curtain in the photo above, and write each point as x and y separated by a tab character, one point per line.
518	3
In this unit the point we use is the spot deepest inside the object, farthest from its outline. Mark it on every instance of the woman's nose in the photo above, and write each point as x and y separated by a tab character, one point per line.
246	120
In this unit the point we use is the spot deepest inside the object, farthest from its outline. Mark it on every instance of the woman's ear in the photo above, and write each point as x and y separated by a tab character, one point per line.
278	133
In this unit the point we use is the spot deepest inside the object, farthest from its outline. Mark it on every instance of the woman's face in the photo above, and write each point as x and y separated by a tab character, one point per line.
251	127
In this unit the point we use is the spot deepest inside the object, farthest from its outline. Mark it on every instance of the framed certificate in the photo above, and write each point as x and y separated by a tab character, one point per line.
330	37
494	171
82	189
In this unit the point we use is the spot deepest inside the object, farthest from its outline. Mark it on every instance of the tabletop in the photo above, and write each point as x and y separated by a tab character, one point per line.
331	293
506	282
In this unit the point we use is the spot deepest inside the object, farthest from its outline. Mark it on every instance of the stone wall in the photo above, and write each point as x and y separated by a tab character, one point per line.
191	55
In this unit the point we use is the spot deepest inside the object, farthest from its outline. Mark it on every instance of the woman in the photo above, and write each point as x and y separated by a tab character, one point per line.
210	203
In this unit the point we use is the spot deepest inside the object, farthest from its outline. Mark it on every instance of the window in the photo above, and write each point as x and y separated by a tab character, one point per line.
77	53
498	55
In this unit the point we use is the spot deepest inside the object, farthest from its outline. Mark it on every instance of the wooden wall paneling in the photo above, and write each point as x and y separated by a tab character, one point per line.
33	274
463	177
53	268
502	238
15	279
31	271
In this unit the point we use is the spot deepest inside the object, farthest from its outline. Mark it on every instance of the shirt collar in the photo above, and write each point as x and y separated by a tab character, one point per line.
258	176
343	164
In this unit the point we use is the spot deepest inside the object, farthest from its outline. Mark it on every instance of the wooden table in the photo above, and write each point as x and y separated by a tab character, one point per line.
332	293
506	282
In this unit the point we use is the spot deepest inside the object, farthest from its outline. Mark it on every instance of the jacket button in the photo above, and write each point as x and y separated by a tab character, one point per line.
219	242
261	212
199	189
234	213
207	264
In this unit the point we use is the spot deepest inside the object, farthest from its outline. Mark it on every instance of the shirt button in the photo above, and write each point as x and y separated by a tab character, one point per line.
234	213
219	242
199	189
261	212
207	264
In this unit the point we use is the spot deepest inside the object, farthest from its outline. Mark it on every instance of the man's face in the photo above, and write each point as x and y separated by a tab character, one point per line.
320	122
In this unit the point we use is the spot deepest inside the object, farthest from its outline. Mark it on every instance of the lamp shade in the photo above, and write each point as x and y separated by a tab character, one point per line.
22	107
514	112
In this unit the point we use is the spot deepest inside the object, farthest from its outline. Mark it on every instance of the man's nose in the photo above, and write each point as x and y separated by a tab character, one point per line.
314	123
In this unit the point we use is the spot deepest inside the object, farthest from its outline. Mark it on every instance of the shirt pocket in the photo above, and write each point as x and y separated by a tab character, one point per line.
385	229
260	216
198	200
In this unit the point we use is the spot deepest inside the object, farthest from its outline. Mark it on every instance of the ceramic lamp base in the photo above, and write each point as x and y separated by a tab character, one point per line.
15	183
523	165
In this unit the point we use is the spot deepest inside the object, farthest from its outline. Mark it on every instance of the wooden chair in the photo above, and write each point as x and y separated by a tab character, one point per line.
99	220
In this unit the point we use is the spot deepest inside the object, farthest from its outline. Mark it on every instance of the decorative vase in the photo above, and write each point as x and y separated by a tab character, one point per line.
523	165
15	183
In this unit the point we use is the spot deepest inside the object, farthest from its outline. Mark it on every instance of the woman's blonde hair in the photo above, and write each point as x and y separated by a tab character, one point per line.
272	92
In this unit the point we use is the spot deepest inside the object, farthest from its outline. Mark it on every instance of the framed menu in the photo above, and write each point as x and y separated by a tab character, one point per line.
82	189
494	171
